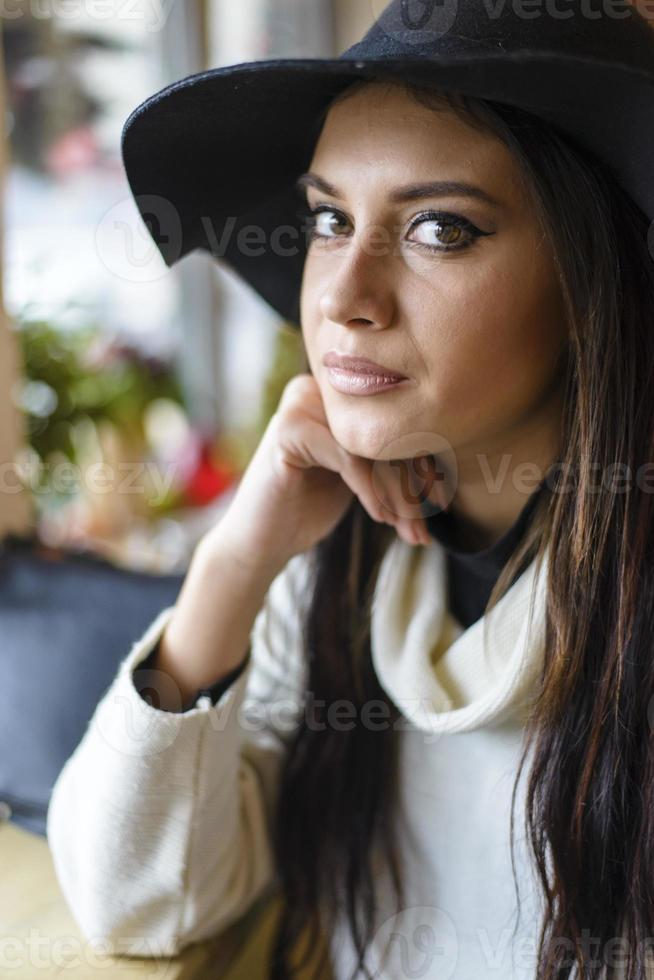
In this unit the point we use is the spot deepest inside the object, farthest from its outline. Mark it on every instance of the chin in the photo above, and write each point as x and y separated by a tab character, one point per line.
357	436
372	438
385	439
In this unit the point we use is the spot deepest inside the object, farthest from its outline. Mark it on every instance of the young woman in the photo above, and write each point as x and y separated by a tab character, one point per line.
433	580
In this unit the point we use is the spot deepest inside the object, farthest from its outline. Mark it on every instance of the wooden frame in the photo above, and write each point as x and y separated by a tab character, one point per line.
16	512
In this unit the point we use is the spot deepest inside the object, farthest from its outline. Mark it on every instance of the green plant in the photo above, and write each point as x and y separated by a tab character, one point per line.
289	358
73	375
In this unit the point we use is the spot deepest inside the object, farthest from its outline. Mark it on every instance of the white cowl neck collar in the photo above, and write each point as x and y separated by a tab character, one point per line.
446	678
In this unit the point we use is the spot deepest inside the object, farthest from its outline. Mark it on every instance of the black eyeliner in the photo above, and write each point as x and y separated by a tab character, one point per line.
446	217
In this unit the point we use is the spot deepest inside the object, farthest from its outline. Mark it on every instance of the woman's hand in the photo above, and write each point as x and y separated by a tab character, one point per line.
300	482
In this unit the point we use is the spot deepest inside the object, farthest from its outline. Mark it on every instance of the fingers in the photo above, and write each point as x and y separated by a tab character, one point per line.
308	443
302	392
414	531
405	484
391	491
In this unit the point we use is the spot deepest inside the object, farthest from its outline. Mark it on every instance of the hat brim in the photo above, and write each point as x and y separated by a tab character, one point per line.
212	159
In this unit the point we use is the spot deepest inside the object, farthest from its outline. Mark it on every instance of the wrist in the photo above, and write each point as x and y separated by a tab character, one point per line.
223	548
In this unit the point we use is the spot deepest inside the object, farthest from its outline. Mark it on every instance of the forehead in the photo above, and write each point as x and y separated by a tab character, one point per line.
380	132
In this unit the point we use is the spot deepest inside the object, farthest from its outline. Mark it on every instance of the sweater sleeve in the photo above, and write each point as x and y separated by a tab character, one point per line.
159	823
214	693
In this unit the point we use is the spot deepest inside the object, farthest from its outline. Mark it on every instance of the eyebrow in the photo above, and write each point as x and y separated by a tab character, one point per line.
411	192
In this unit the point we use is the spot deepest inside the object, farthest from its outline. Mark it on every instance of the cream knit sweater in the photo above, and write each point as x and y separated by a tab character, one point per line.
158	822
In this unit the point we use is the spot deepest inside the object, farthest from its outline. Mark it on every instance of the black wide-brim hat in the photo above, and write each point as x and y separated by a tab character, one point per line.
212	159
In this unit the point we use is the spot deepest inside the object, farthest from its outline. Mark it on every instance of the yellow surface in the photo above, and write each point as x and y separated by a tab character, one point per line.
39	937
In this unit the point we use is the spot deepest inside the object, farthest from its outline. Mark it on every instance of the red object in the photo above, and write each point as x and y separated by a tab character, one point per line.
208	480
72	152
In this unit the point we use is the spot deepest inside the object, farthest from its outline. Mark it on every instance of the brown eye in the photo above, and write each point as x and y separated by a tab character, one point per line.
323	223
439	232
449	234
329	222
451	231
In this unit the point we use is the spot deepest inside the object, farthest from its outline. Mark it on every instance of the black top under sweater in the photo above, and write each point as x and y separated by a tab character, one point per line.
471	575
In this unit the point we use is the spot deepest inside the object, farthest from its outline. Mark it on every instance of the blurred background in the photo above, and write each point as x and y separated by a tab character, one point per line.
131	395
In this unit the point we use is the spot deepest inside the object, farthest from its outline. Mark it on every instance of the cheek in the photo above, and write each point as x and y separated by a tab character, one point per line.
308	322
492	344
313	285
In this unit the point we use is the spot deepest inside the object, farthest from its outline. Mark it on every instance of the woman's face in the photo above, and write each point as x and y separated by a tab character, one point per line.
475	323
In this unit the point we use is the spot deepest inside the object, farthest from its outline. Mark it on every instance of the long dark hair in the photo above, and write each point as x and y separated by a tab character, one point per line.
589	811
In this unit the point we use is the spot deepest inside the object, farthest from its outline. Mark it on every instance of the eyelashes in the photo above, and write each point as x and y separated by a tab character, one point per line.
448	219
444	219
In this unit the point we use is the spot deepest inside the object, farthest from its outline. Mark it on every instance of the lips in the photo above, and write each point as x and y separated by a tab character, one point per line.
360	365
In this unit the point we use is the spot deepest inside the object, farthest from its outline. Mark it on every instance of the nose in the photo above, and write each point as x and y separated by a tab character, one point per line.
358	288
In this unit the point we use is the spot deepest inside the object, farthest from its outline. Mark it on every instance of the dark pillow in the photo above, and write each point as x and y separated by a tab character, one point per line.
67	619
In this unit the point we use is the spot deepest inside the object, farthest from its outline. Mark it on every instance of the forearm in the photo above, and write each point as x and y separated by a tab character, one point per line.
208	634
